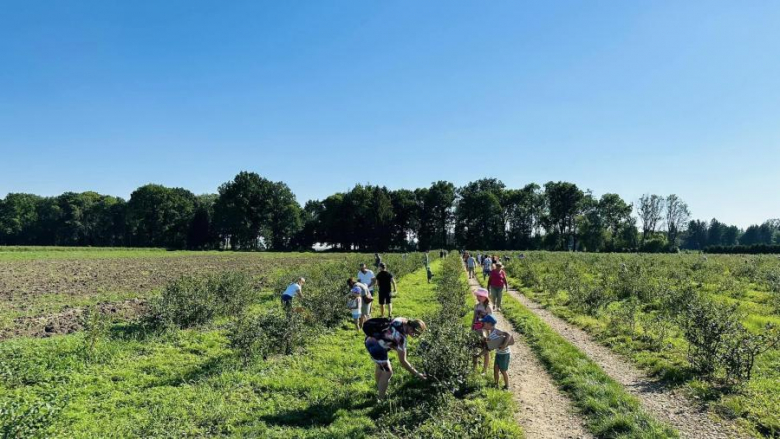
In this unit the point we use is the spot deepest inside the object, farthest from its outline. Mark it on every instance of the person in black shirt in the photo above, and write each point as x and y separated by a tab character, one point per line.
387	286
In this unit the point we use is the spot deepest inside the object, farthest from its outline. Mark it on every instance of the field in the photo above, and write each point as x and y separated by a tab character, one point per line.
43	291
149	343
704	324
119	377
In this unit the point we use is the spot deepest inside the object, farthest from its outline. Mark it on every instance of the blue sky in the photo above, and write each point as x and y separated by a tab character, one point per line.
617	96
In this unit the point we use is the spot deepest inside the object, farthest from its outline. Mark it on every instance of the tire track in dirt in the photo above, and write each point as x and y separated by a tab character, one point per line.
659	400
543	410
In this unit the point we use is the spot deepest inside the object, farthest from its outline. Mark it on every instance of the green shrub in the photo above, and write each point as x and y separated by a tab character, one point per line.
195	300
275	331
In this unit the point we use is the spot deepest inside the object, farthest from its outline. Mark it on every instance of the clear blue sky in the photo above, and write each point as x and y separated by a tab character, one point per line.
616	96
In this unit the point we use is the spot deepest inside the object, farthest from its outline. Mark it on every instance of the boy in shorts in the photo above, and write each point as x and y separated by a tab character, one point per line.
500	341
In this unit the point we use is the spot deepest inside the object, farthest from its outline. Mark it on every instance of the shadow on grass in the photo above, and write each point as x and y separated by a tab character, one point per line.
321	414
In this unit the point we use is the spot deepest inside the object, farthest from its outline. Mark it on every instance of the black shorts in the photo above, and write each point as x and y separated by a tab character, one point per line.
385	298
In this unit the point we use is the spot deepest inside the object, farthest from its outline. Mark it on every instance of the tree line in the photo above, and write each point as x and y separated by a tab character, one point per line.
254	213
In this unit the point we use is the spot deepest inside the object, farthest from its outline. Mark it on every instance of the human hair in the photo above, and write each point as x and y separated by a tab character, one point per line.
351	281
417	325
486	302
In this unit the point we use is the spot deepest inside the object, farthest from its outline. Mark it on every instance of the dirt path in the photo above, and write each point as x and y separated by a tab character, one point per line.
660	401
544	412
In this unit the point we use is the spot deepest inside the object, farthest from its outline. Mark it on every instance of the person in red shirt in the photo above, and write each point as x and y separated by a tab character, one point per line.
497	283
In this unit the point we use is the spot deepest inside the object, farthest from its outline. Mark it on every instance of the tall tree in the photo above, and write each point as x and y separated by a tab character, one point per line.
479	215
18	215
650	212
564	203
677	216
243	208
715	233
697	235
615	213
439	202
159	216
592	224
525	211
406	218
283	218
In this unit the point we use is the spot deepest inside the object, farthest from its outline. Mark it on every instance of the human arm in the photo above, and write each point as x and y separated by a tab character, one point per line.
507	338
395	287
405	364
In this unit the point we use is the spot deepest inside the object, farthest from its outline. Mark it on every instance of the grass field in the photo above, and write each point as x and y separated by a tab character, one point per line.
190	383
636	304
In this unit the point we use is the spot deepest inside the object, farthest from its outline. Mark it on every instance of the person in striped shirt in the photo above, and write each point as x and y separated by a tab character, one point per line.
500	341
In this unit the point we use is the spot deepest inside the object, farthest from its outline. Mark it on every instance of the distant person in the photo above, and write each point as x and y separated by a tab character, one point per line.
377	260
497	283
294	289
429	273
441	253
366	297
367	277
426	259
499	341
383	335
354	304
487	265
387	287
471	265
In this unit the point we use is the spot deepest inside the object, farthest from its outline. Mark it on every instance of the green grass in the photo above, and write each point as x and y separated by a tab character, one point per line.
610	411
190	384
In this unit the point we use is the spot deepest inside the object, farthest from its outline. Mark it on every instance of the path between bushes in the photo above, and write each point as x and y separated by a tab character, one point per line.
543	410
659	400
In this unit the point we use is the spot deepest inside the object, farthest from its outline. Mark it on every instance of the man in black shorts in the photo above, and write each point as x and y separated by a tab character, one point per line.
387	287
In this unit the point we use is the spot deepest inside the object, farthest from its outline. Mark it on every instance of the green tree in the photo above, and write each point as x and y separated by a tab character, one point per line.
284	218
650	210
242	210
677	216
19	218
564	204
439	202
525	211
158	216
479	215
615	213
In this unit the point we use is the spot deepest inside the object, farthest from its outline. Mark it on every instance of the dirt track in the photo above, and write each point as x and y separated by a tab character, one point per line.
543	410
662	402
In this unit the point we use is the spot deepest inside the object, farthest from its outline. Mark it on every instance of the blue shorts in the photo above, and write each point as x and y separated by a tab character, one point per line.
356	314
377	352
286	300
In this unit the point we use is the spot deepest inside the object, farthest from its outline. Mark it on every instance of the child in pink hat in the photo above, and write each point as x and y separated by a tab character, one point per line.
481	309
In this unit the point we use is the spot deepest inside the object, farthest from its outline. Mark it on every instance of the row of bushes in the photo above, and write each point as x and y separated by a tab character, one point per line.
267	330
639	292
754	249
445	348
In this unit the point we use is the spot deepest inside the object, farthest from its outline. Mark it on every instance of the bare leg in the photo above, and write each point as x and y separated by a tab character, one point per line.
506	378
389	309
495	374
381	310
383	379
486	356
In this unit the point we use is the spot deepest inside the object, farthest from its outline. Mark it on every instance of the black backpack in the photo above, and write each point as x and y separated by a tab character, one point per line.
376	326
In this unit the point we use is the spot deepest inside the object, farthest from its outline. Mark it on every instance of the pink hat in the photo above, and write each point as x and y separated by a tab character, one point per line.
481	292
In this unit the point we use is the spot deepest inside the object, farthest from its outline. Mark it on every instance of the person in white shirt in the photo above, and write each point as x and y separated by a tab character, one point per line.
294	289
366	276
